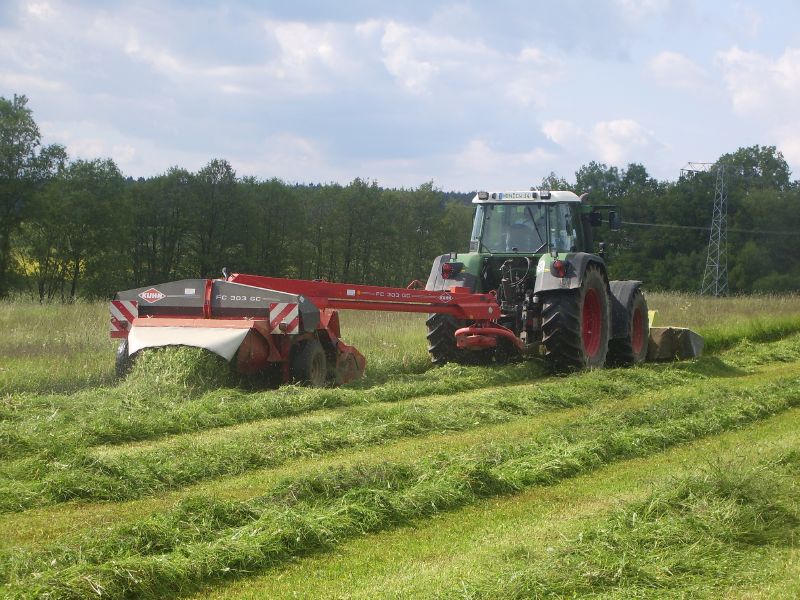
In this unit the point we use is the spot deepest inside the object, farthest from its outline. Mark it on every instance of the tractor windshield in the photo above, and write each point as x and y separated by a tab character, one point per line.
524	228
511	228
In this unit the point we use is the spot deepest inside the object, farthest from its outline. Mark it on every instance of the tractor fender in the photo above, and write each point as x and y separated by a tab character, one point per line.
437	282
621	304
577	262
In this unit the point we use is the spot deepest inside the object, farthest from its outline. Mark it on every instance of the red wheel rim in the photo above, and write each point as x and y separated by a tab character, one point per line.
592	323
637	335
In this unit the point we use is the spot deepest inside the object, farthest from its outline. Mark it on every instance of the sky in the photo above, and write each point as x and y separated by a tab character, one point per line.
469	95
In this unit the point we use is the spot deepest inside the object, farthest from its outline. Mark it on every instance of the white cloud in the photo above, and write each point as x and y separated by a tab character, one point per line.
424	59
532	72
620	140
789	144
135	156
447	92
615	142
479	157
406	56
41	10
416	56
311	54
765	91
478	165
756	83
22	81
563	133
673	69
749	77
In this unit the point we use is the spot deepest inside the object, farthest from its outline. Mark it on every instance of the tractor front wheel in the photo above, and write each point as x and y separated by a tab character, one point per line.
576	324
309	364
442	343
442	338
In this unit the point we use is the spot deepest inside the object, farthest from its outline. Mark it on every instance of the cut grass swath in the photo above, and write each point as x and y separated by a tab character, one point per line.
305	516
128	474
693	538
125	473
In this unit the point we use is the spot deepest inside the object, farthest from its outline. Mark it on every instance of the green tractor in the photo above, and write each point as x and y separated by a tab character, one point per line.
535	251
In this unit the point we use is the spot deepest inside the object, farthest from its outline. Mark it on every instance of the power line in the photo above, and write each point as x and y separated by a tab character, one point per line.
699	228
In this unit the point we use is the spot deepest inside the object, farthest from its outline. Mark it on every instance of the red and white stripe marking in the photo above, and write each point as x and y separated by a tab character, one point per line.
284	317
123	312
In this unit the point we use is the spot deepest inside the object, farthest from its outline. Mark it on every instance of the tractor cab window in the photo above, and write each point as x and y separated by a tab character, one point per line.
511	228
564	227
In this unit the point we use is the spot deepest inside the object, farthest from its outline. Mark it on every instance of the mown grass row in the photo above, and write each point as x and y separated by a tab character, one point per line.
79	473
158	399
693	538
184	390
204	540
124	473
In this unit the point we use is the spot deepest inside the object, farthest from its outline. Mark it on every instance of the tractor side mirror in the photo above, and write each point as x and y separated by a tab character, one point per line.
595	219
614	220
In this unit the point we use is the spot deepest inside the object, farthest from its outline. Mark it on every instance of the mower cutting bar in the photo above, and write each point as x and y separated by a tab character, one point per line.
458	302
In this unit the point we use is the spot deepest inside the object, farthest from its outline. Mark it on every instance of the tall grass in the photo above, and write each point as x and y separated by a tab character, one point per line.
64	348
701	312
54	347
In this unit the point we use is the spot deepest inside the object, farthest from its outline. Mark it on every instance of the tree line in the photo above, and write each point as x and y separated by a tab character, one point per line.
73	228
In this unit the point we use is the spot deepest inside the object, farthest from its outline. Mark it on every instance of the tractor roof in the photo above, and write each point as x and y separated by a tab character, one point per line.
525	196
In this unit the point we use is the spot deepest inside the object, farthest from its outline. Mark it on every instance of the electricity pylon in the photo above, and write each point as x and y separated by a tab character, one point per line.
715	276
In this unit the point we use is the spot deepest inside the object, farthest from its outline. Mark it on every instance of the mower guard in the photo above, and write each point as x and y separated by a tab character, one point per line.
220	337
674	343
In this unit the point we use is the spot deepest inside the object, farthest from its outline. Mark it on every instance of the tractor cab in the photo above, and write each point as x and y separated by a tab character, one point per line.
529	223
516	235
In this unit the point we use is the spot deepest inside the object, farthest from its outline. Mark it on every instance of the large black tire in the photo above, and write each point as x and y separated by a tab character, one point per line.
442	343
123	362
632	349
442	338
576	324
309	364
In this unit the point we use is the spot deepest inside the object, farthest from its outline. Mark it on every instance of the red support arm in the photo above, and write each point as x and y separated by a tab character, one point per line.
458	302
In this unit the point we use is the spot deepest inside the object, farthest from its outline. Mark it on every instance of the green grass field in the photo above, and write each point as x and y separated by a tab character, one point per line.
666	480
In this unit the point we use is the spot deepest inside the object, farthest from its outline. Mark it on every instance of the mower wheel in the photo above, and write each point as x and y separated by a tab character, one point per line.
123	362
576	324
632	349
309	364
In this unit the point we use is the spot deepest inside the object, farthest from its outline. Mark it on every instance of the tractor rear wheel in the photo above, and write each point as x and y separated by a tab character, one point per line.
632	349
576	324
309	364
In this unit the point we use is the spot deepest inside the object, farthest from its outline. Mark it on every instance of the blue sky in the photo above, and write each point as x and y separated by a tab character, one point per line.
471	95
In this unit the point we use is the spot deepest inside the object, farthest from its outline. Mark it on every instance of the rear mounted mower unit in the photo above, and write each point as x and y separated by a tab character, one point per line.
286	327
